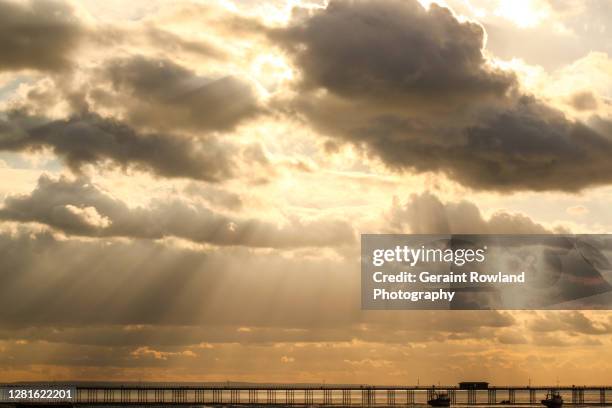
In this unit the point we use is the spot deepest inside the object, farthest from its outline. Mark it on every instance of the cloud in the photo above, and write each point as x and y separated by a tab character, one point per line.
565	29
294	306
530	147
511	337
81	208
161	94
412	87
392	52
426	214
583	101
575	322
208	296
84	216
174	43
215	196
226	287
145	351
88	138
37	34
134	113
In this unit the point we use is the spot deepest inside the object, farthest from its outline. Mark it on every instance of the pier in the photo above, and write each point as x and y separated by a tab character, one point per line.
326	395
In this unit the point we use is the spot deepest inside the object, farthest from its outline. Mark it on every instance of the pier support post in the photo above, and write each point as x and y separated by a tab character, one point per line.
124	396
512	396
92	395
367	397
409	397
142	396
308	398
252	396
532	396
159	395
199	396
289	397
178	396
492	394
390	397
346	397
327	397
453	396
107	396
217	397
471	397
235	396
602	396
271	396
577	395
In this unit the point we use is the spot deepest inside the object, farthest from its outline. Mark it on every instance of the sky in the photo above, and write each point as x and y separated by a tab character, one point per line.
183	184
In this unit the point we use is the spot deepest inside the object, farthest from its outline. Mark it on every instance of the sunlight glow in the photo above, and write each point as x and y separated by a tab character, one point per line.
270	72
523	13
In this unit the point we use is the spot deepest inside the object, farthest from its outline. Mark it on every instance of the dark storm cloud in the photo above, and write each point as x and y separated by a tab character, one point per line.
165	95
90	139
412	87
79	207
527	147
37	34
426	214
171	119
532	146
392	52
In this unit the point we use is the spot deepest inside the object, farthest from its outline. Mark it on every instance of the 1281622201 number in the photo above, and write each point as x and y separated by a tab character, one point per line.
15	393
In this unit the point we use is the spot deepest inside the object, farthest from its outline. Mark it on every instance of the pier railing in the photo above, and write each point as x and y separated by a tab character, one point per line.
341	396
